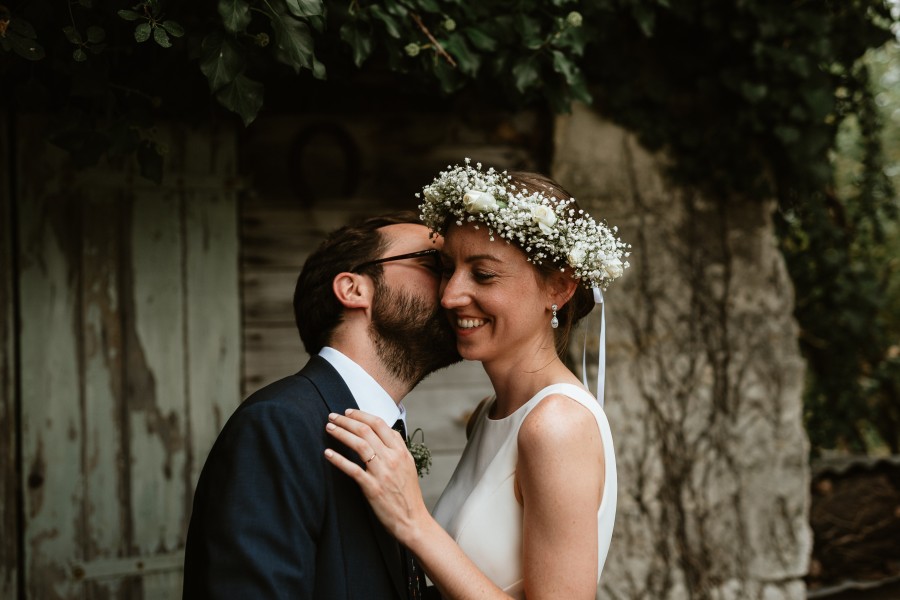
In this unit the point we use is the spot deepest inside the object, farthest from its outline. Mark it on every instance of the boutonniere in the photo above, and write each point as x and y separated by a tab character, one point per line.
420	453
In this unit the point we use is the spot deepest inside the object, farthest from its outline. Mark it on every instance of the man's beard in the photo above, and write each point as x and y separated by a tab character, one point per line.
411	339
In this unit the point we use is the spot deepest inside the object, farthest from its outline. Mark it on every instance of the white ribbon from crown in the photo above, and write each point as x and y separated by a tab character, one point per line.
601	351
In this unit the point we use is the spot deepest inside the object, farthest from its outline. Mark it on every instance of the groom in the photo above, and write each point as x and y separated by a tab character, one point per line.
271	518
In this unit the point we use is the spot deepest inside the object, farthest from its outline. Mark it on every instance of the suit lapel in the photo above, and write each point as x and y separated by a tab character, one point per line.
337	398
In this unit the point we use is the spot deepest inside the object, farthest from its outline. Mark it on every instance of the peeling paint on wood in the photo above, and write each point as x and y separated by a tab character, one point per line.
9	524
120	567
213	321
156	371
102	346
51	377
130	349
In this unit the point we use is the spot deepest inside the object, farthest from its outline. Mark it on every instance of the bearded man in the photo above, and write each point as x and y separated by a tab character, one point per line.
271	517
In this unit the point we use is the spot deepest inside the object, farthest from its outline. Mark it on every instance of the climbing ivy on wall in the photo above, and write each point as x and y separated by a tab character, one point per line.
747	97
744	94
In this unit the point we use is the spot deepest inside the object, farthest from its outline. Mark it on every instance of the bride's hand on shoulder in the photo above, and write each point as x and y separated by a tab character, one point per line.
389	479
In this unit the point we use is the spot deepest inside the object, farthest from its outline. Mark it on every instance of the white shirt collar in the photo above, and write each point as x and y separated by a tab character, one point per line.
369	395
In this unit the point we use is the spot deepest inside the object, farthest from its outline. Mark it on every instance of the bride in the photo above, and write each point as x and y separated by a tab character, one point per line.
529	510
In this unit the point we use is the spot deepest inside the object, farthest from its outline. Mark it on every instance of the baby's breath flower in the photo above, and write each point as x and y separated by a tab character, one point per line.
544	227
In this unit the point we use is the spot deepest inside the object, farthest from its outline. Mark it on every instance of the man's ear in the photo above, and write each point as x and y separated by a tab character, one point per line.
353	290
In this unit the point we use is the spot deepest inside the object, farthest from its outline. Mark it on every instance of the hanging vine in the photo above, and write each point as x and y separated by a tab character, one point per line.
747	97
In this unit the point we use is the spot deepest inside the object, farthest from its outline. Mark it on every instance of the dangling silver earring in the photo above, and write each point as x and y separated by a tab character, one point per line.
554	322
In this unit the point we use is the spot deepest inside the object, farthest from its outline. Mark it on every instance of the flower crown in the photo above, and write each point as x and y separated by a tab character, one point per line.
545	228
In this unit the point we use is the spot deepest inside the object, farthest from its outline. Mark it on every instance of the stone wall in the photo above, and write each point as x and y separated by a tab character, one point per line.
704	382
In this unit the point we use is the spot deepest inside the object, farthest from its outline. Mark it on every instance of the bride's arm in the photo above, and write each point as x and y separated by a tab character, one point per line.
559	482
391	484
560	475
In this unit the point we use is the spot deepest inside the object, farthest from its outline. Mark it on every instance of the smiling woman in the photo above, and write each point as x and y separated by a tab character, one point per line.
505	299
493	297
542	220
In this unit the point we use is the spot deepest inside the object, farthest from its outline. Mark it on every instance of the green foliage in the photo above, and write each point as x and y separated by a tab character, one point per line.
152	23
18	35
750	98
744	94
844	257
525	51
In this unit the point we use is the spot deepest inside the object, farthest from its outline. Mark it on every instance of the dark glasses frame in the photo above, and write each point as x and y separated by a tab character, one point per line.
433	253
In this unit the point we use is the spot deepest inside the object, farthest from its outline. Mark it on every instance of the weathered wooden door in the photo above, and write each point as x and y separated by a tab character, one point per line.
9	527
129	350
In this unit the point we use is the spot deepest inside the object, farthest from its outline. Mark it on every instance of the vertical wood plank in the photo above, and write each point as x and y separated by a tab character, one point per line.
50	376
9	522
213	317
162	586
101	339
132	305
156	374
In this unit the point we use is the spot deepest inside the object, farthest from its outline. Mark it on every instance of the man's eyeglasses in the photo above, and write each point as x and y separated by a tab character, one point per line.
432	253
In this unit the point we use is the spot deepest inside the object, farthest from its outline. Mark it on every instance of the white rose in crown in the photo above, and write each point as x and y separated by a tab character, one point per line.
544	217
613	268
431	196
479	202
576	255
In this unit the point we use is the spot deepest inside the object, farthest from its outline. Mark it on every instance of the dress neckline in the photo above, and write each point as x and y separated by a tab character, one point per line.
538	396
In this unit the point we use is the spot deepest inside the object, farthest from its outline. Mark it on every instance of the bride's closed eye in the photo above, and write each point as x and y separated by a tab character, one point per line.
483	276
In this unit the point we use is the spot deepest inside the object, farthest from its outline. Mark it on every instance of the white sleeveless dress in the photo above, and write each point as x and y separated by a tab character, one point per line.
479	507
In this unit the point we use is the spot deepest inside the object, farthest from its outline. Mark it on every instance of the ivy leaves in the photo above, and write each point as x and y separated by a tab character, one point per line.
223	64
152	23
92	41
526	54
249	28
758	80
19	36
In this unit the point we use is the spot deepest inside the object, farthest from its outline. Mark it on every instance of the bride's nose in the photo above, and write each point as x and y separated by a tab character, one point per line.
453	293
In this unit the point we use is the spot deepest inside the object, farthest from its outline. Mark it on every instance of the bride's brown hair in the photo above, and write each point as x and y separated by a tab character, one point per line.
582	301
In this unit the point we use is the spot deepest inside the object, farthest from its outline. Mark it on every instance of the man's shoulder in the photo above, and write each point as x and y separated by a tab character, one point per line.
311	390
288	389
288	411
312	380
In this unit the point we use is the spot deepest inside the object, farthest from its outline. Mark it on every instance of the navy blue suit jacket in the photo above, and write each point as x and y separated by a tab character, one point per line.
273	519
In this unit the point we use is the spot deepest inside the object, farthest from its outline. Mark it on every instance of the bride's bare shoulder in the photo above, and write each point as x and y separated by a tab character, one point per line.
558	423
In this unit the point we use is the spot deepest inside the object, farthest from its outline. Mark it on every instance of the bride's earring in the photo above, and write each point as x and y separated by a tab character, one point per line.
554	322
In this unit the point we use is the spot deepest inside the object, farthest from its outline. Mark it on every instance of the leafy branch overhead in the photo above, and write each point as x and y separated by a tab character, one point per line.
533	53
152	24
748	98
746	95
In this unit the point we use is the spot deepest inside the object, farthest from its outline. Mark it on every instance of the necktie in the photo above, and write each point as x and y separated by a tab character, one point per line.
415	580
401	427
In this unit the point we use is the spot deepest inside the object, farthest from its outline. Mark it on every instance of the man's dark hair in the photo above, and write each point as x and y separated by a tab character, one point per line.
316	309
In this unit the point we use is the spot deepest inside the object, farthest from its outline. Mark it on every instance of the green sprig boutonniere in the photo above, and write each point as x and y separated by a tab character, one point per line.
420	453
